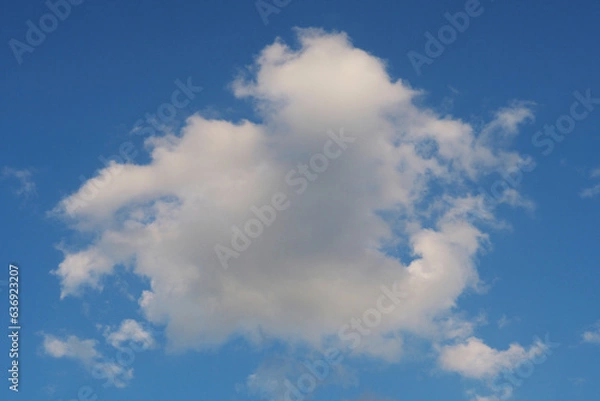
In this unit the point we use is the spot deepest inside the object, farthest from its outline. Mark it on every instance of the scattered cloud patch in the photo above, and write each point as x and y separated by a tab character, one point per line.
475	360
498	370
594	190
71	347
287	377
592	336
85	352
130	331
578	381
503	322
590	192
26	186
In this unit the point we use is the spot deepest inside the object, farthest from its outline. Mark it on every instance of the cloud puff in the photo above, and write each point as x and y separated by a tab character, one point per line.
130	331
473	359
24	177
376	188
71	347
593	190
590	192
276	378
85	352
476	360
592	336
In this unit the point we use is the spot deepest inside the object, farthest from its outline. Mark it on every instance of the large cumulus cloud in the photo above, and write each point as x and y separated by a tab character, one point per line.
406	178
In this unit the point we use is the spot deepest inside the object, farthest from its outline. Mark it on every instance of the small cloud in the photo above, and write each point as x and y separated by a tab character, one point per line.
71	347
473	396
577	381
592	336
507	121
130	331
49	390
503	322
476	360
594	190
453	89
85	352
278	377
590	192
26	186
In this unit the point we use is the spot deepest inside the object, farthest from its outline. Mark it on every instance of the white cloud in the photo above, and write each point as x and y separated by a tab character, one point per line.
318	264
268	380
476	360
503	321
86	353
130	331
590	192
276	378
489	397
24	177
71	347
507	122
592	336
594	190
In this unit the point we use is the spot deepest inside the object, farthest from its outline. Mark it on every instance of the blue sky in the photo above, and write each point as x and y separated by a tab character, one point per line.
442	200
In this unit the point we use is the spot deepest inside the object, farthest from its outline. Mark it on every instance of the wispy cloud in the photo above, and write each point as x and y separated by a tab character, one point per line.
503	322
26	186
592	336
85	352
593	190
590	192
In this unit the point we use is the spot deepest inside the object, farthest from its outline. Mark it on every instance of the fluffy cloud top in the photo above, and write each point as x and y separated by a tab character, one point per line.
130	331
403	177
